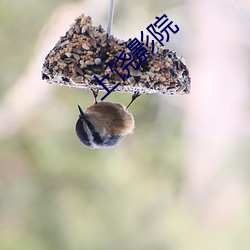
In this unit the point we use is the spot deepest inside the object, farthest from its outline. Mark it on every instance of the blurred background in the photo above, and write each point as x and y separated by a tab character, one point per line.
180	182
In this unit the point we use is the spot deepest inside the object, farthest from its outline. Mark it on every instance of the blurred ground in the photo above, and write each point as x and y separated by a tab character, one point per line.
181	181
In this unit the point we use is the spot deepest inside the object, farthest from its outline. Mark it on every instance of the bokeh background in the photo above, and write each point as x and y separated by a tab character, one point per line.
180	182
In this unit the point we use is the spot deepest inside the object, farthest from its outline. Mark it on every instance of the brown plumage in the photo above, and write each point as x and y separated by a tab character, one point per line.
104	124
110	117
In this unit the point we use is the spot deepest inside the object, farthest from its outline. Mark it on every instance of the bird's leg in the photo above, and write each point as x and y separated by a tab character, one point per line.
134	97
95	94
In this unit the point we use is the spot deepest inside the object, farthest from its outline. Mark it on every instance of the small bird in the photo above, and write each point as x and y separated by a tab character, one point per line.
104	124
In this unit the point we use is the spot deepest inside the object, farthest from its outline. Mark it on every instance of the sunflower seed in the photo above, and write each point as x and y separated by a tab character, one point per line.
88	62
85	46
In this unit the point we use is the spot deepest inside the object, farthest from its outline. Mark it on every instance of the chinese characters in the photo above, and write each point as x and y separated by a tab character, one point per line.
138	50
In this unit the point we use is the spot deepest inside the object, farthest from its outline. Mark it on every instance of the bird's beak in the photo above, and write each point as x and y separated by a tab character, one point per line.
82	115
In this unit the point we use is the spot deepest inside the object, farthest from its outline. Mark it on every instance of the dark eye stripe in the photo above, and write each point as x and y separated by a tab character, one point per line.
96	135
97	138
82	135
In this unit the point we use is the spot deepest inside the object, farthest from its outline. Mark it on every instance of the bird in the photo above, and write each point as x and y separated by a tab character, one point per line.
104	124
